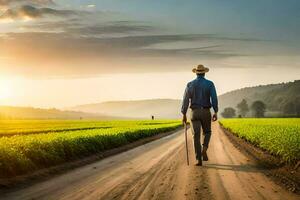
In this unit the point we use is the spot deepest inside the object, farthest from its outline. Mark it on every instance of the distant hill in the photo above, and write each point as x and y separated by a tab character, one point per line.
159	108
275	96
11	112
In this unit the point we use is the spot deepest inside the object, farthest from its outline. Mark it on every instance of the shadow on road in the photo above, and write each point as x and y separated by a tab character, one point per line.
243	168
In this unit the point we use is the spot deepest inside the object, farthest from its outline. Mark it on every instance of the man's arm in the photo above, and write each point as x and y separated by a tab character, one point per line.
185	104
214	102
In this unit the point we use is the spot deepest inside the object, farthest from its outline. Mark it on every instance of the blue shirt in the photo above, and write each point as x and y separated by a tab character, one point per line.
200	93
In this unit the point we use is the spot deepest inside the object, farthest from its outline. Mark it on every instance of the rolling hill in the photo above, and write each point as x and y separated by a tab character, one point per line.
159	108
12	112
275	96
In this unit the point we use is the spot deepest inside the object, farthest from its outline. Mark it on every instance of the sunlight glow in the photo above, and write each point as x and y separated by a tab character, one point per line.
6	89
6	20
27	19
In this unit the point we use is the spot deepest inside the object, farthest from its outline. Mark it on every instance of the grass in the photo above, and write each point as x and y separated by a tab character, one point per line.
23	127
22	154
279	136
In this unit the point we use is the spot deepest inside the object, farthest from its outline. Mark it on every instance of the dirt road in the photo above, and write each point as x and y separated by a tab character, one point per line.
158	170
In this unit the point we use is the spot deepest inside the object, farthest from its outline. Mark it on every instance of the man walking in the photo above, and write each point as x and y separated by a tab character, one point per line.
201	95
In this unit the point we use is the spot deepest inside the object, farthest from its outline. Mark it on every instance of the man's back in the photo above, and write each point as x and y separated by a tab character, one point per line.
200	93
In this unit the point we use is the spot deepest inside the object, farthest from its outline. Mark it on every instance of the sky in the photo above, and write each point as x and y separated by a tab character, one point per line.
61	53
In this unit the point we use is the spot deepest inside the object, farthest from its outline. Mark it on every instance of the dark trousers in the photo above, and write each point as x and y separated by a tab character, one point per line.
200	118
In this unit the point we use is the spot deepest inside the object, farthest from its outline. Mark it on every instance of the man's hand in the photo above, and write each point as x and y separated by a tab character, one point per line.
215	117
184	119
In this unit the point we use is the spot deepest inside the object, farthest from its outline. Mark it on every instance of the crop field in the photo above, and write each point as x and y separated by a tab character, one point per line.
281	137
22	127
34	145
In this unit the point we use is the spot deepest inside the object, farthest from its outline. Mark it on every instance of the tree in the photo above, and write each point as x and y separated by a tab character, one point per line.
243	108
258	108
289	108
228	112
297	106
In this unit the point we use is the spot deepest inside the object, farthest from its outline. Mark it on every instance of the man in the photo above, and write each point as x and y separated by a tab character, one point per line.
201	95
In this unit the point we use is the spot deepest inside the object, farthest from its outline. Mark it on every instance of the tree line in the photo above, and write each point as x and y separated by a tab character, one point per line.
258	109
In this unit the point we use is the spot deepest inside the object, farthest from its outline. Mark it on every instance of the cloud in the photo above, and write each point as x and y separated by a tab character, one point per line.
85	28
82	42
27	11
109	28
70	54
63	46
26	2
91	6
206	51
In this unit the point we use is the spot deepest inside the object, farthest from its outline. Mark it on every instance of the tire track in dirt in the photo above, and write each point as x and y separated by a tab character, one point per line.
168	179
239	177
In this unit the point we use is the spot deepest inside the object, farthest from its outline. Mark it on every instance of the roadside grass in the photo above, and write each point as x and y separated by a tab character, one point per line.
22	154
279	136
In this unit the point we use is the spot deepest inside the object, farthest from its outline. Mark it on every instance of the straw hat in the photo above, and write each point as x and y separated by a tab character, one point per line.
200	69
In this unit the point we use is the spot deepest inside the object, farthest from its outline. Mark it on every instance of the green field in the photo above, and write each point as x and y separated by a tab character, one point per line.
22	127
281	137
34	145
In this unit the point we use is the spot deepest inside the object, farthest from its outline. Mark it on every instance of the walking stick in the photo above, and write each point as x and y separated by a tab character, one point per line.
186	144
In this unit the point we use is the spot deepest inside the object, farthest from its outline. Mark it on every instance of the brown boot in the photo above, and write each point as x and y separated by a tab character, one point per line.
204	154
199	163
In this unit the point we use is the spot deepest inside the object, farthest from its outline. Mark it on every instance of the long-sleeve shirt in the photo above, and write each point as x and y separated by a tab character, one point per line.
200	93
